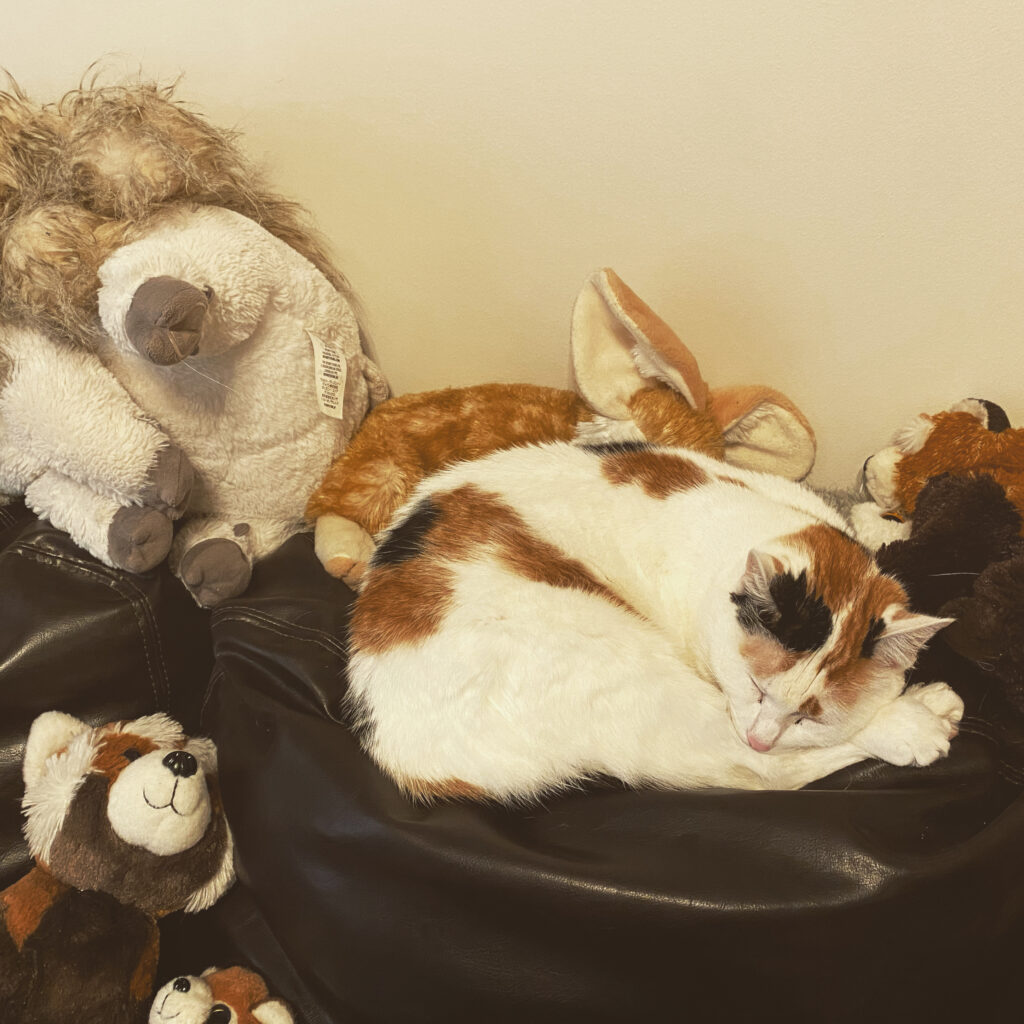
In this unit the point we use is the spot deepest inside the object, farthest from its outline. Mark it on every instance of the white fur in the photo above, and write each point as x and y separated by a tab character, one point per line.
243	407
912	437
151	807
872	530
50	789
527	687
191	1007
880	477
71	439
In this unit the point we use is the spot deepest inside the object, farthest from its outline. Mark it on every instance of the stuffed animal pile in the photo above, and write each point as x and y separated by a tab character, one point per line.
636	381
126	826
173	341
954	485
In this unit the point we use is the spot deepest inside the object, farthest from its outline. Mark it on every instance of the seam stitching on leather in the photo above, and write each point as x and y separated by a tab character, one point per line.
142	617
282	628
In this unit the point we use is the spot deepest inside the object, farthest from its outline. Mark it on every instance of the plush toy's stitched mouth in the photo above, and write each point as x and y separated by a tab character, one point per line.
161	807
160	1012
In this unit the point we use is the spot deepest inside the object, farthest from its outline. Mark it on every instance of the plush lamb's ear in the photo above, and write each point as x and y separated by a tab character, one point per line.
619	346
50	732
904	636
764	430
273	1011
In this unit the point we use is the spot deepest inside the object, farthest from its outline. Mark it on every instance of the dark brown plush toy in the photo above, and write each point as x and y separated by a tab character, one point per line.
126	825
965	559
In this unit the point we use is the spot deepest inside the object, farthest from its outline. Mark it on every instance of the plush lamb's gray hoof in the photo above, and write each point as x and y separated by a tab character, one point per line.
170	482
165	319
138	538
215	570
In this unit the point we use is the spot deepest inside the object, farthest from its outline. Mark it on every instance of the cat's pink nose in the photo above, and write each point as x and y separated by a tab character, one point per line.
759	745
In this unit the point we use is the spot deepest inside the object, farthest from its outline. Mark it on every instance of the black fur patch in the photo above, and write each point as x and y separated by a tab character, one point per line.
875	630
998	421
619	447
799	620
405	539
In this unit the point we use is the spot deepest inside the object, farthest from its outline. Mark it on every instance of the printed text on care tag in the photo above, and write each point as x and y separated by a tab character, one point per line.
330	369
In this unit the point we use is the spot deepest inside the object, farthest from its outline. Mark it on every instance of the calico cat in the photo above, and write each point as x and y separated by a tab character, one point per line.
556	612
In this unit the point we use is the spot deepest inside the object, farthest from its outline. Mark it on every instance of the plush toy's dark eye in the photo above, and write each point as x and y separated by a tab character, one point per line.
220	1014
182	984
131	754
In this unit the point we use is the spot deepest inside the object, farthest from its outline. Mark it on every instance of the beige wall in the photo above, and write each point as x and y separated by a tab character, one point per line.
822	196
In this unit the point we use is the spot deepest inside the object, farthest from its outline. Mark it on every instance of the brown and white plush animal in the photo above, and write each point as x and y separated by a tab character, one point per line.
229	996
974	437
636	381
126	826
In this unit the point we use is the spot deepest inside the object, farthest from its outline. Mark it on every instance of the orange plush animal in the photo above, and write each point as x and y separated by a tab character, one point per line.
636	381
230	996
971	438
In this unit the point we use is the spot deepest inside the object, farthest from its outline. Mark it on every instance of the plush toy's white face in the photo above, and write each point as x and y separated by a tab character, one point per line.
231	996
167	843
159	801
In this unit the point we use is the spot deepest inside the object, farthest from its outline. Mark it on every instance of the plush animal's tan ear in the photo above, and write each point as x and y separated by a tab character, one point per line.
619	346
273	1011
764	430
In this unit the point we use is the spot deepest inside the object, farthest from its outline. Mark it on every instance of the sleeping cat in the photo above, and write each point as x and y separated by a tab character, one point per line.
556	612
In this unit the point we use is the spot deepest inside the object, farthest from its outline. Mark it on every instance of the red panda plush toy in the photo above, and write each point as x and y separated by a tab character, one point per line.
230	996
126	825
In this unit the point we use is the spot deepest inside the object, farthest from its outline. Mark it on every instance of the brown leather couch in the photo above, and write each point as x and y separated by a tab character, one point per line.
879	894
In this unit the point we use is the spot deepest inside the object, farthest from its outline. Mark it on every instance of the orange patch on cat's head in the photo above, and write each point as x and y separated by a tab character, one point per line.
766	656
846	578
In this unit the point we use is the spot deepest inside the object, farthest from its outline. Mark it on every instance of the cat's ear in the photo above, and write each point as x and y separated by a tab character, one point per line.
620	346
761	569
904	635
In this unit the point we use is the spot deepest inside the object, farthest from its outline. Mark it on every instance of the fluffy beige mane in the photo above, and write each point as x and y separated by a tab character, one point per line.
82	176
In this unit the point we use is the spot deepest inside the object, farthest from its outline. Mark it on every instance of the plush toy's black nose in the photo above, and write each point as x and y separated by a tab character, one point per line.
181	763
182	984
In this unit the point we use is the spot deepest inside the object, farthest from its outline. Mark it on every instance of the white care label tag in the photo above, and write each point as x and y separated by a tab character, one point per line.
330	370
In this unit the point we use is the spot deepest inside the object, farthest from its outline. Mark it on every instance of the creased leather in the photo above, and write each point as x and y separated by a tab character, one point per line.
880	894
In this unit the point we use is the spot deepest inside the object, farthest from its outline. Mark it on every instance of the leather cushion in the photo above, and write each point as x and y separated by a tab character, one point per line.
877	894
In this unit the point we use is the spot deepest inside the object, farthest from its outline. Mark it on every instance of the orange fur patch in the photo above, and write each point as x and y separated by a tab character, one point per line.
765	656
238	988
427	791
109	759
958	443
400	604
407	438
811	707
658	474
406	602
664	417
141	985
26	901
846	578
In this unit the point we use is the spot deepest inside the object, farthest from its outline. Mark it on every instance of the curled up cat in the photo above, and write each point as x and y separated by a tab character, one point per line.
558	612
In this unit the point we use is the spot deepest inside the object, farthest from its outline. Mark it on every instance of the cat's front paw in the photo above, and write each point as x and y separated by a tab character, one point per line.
916	727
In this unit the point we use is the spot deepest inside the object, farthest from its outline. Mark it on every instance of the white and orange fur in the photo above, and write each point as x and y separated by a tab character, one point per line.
635	380
558	612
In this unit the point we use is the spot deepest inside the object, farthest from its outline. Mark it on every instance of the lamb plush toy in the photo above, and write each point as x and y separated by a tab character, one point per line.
160	349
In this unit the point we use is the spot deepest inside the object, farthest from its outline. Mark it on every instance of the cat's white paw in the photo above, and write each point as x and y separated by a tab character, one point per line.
343	548
916	727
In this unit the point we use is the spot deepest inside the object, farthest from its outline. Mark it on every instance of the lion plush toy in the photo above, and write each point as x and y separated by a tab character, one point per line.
171	339
229	996
126	826
636	380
